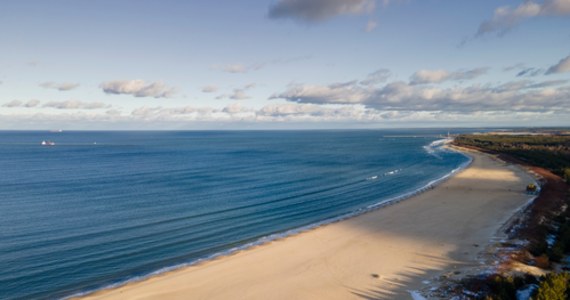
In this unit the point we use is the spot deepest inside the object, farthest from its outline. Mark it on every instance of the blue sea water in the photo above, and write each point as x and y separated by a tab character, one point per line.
102	208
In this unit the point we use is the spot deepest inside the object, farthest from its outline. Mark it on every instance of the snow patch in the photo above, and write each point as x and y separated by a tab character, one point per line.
525	293
416	295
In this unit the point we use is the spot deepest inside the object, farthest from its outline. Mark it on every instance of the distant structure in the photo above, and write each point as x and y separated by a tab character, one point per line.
448	136
532	189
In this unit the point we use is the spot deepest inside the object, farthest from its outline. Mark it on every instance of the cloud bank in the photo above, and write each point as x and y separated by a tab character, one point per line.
516	96
278	113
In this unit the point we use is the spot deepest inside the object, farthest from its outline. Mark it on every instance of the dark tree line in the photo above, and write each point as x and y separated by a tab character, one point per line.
548	151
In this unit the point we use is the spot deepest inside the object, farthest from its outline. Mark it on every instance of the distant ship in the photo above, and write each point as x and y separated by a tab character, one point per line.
47	143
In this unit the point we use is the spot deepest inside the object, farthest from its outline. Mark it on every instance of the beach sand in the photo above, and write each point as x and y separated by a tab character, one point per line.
382	254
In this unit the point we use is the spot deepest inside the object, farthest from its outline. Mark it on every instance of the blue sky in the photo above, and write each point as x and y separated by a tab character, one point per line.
284	64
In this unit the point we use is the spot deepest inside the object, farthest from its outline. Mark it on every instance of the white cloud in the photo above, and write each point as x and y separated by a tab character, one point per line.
306	111
138	88
517	66
437	76
75	104
344	93
32	103
238	68
113	112
556	7
239	94
376	77
319	10
69	104
210	89
235	68
370	26
530	72
429	76
20	103
520	85
524	71
506	17
249	86
13	103
64	86
236	108
561	67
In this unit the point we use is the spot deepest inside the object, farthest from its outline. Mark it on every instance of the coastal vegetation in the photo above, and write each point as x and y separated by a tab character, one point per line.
548	151
552	286
546	224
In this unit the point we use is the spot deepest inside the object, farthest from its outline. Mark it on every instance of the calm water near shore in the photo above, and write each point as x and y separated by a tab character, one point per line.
101	208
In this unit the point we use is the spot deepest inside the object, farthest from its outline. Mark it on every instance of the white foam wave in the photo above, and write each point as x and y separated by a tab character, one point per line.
375	177
436	146
392	172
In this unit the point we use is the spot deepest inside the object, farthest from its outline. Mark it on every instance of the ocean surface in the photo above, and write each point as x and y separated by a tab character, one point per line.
103	208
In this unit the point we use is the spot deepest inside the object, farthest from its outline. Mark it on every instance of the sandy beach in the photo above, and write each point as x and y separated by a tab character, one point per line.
382	254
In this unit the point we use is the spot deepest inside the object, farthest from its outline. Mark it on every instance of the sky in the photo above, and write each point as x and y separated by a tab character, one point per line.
283	64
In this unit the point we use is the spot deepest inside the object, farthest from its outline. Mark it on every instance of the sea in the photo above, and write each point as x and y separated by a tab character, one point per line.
102	208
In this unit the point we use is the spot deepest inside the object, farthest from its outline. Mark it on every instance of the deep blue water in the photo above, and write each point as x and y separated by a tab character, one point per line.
104	207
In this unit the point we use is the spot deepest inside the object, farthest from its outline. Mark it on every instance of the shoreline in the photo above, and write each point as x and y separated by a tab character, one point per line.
297	234
441	143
